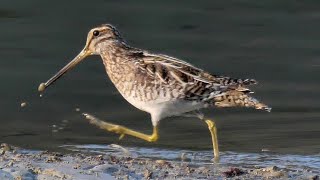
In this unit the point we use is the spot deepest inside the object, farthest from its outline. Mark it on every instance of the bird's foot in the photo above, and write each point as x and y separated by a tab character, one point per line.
121	129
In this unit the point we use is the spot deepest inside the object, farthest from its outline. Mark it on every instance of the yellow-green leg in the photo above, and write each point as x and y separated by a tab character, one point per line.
213	130
122	130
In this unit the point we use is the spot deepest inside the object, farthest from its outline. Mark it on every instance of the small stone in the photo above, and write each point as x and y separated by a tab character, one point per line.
17	157
5	147
272	168
233	172
272	171
55	173
77	166
113	159
189	170
10	164
51	159
204	170
99	157
161	162
37	170
147	174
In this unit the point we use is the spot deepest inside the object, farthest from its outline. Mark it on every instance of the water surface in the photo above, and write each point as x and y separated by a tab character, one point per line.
275	42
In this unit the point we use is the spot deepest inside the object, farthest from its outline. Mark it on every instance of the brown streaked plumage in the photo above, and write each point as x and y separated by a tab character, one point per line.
159	84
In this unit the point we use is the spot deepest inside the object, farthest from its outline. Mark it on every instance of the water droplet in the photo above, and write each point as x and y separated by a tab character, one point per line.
23	104
65	121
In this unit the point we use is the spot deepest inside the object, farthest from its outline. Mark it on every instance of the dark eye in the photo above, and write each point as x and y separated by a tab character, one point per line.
96	33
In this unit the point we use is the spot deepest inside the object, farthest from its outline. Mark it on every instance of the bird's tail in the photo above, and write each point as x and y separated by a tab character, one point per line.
234	98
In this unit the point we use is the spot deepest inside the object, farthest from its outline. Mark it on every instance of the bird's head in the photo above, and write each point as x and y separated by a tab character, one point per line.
101	36
98	38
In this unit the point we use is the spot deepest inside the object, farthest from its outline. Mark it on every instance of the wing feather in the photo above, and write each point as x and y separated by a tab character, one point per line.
194	72
196	83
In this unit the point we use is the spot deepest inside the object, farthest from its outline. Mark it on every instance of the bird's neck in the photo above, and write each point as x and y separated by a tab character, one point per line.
114	52
117	62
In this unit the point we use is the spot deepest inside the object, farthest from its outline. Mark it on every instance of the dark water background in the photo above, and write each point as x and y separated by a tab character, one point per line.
275	42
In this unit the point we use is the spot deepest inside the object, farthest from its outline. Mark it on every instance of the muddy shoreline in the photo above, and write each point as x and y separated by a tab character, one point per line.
17	163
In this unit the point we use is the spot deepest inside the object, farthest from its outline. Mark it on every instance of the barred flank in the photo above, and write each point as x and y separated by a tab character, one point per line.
237	98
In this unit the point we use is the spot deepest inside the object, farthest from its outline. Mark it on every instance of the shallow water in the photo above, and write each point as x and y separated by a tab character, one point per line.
297	163
275	42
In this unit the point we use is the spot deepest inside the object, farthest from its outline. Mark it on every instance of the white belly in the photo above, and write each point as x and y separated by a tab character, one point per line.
160	109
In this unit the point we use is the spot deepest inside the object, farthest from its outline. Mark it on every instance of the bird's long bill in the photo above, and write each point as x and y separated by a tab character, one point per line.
84	53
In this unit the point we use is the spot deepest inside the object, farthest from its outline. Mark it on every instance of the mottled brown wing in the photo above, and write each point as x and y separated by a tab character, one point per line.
199	74
196	83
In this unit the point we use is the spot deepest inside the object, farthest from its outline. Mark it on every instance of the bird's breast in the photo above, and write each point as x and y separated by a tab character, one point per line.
136	87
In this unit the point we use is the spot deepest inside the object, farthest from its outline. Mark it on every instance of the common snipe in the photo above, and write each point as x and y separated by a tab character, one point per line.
158	84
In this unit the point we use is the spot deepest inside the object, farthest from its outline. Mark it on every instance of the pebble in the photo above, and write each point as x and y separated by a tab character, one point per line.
272	171
5	147
147	174
161	162
233	172
53	158
77	166
10	163
55	173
